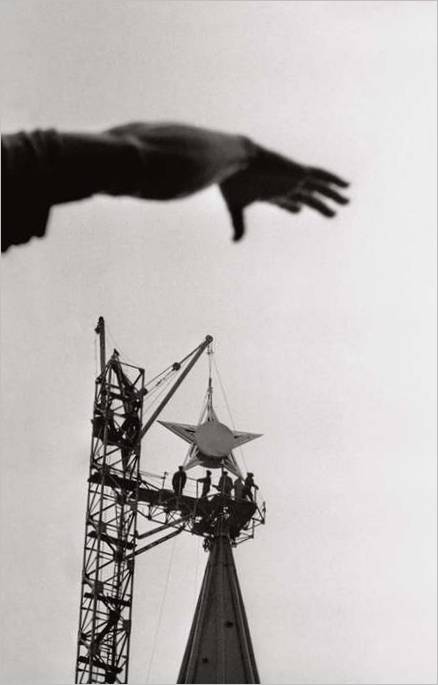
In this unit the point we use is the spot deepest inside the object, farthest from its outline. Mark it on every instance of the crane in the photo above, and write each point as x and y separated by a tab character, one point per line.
120	493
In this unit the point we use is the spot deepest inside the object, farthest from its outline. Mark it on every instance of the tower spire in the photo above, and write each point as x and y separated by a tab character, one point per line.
219	648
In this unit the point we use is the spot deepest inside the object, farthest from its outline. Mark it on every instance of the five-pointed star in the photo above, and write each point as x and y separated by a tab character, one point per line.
211	443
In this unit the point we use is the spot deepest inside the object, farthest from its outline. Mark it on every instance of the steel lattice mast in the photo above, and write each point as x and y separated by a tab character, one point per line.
111	515
108	568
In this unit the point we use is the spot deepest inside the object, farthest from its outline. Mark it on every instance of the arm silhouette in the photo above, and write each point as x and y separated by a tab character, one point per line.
151	161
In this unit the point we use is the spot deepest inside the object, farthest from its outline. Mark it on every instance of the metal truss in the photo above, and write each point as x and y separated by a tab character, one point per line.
117	493
108	562
198	515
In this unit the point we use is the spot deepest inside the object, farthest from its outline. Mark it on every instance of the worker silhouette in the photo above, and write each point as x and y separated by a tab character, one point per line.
179	480
248	487
150	161
105	417
225	484
206	484
238	488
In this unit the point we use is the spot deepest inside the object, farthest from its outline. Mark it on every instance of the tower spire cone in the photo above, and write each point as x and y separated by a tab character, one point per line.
219	648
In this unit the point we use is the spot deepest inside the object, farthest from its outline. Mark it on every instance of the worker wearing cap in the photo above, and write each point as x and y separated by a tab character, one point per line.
238	488
248	486
179	480
225	484
206	484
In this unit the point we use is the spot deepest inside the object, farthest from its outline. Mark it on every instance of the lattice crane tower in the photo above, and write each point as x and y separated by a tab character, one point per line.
219	647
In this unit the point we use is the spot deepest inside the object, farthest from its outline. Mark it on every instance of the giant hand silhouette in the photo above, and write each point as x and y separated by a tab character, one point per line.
150	161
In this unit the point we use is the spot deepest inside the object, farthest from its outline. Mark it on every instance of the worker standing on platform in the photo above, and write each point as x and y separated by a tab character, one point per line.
248	486
238	488
225	484
206	484
179	480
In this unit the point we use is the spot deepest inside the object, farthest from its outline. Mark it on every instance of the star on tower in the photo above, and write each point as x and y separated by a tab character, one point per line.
211	442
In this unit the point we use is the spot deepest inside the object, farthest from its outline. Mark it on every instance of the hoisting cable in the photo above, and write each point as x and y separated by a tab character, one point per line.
157	392
200	419
115	345
206	401
210	353
166	376
163	377
168	369
176	365
194	358
229	411
160	613
204	407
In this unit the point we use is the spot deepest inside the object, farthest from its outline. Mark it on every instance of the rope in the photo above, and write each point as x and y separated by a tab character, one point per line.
161	387
162	378
229	410
162	373
115	345
171	366
210	353
170	370
160	613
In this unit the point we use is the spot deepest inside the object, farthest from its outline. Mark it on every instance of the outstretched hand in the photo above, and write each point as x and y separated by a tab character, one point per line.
181	159
152	161
277	180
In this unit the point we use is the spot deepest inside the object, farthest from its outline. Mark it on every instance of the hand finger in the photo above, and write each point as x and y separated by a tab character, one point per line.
238	222
323	175
326	191
235	210
289	205
316	204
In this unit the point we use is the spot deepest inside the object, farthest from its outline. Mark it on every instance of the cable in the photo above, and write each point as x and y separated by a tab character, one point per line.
166	370
152	397
178	364
210	353
129	360
229	410
171	369
160	614
114	342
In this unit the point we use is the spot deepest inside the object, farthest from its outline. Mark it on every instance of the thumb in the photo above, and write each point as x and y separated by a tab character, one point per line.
235	211
237	219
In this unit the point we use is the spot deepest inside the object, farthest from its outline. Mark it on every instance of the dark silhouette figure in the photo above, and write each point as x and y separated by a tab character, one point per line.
248	487
151	162
179	480
206	484
113	435
238	488
225	484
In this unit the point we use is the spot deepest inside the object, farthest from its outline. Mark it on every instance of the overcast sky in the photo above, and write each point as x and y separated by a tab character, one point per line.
324	331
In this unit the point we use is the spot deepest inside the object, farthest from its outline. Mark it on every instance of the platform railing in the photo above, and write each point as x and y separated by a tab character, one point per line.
192	487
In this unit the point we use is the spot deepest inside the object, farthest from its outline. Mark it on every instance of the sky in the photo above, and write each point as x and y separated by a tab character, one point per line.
324	330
